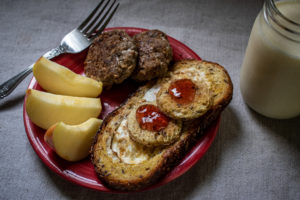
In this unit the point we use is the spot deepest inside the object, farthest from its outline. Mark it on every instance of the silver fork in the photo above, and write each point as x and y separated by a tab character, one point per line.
74	42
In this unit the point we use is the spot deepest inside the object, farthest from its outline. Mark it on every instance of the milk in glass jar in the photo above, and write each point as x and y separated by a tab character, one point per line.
270	74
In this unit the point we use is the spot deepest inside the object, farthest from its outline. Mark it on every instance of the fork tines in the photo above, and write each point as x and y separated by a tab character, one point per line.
95	23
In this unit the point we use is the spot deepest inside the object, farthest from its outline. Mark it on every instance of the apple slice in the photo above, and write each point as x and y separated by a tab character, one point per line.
72	142
58	79
45	109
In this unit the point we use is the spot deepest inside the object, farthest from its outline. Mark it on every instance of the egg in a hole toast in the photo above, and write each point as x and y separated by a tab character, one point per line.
122	161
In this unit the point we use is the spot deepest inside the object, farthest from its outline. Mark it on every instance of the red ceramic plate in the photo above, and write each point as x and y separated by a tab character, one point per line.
82	172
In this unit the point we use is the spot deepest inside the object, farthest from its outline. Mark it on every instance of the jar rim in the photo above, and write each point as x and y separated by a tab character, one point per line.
272	15
275	9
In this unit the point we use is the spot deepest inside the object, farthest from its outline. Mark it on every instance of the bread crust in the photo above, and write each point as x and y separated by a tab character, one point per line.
128	177
222	87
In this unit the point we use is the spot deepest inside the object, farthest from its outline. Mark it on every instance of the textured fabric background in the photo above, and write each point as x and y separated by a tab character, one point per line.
252	157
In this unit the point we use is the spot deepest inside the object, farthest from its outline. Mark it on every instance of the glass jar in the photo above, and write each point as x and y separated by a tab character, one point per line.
270	74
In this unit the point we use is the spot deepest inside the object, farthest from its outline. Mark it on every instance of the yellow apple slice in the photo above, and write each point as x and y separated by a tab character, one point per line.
45	109
72	142
58	79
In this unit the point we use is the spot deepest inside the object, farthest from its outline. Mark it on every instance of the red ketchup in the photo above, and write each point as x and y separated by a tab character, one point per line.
182	91
150	118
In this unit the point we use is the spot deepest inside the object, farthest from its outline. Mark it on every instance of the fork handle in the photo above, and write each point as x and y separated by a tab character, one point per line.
7	87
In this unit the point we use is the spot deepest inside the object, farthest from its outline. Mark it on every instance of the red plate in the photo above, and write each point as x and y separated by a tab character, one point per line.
82	172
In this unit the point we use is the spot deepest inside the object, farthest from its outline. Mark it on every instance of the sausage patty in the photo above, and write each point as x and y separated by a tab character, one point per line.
111	58
155	55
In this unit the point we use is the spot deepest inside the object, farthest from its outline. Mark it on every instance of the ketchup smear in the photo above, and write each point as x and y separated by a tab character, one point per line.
182	91
150	118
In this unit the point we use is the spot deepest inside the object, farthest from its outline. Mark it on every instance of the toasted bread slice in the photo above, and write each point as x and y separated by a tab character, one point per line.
123	164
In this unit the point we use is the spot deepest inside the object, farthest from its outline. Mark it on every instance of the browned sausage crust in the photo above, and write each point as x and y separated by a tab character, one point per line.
155	55
111	58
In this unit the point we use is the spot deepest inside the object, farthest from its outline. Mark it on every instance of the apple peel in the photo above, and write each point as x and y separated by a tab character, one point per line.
72	142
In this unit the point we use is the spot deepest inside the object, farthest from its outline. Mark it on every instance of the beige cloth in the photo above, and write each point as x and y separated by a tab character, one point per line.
252	157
